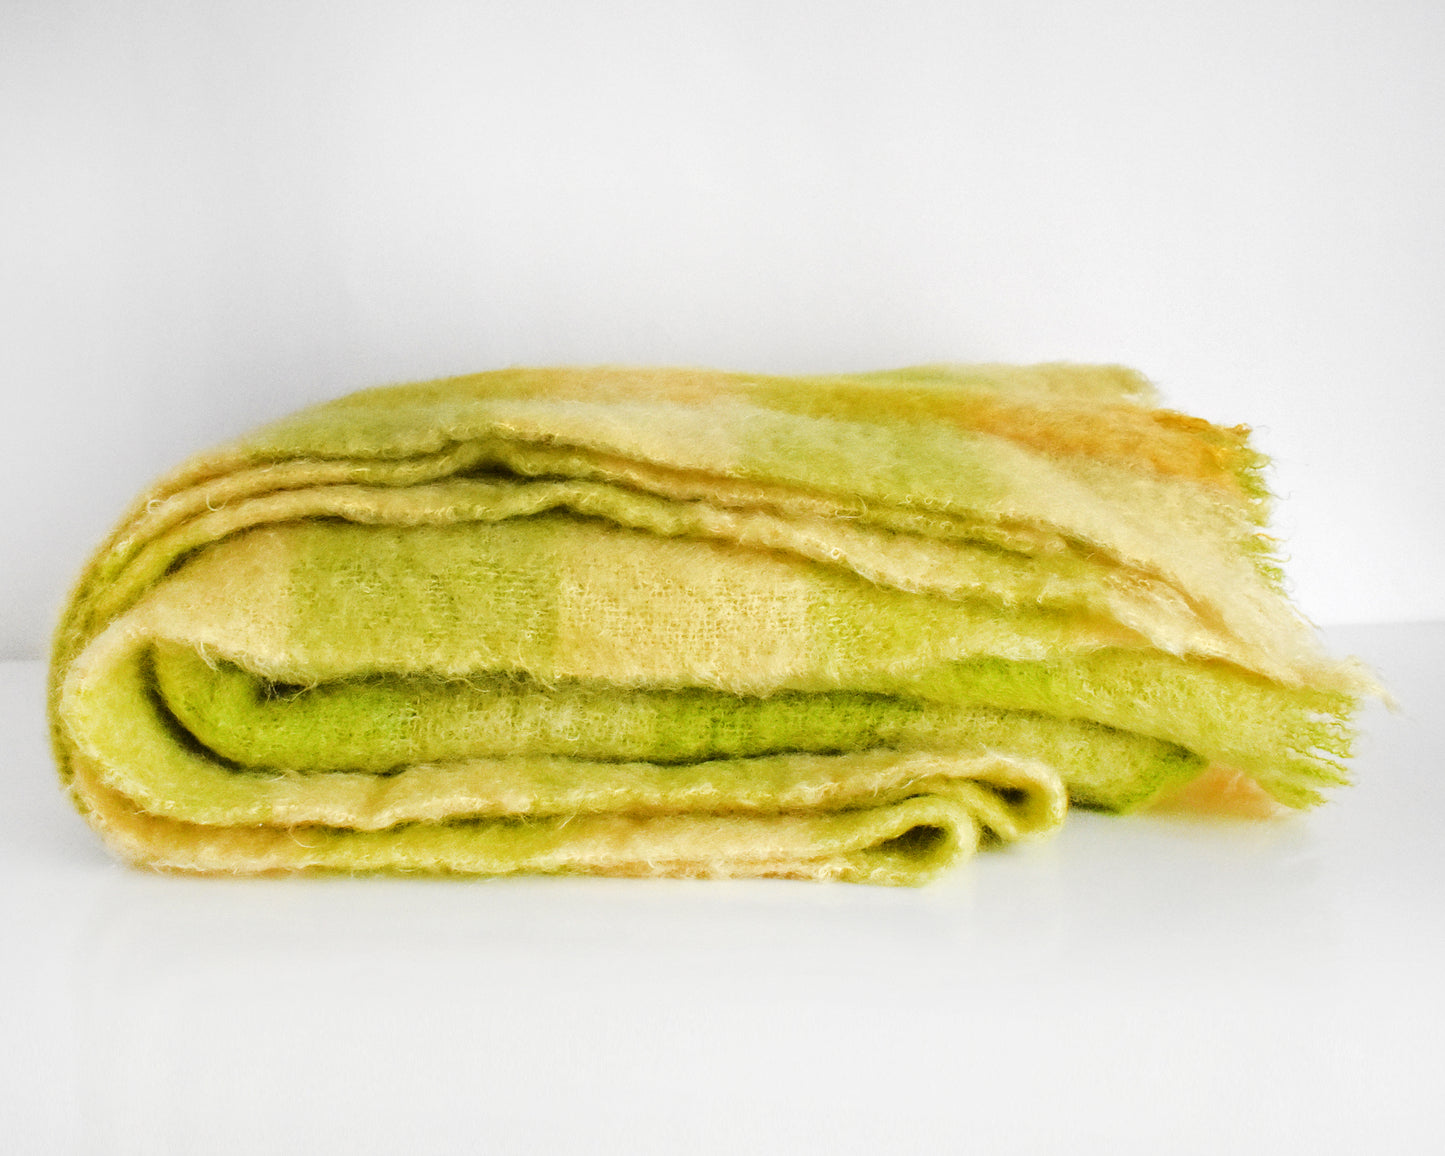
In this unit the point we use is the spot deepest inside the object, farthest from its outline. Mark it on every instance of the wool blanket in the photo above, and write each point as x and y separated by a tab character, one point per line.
693	623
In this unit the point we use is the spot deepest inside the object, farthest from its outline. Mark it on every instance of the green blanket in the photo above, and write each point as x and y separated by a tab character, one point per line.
679	622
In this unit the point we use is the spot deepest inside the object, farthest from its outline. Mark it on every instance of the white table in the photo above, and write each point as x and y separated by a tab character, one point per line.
1143	985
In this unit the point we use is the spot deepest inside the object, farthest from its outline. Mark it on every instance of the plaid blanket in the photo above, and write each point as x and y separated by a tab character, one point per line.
683	622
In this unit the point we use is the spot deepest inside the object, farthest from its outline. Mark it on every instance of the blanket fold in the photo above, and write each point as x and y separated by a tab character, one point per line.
684	622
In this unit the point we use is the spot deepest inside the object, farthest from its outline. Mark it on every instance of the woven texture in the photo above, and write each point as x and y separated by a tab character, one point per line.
678	622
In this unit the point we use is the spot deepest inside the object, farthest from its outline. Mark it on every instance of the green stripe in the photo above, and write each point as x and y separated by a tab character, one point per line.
449	599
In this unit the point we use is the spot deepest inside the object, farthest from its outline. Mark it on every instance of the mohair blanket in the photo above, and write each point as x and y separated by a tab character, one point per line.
680	622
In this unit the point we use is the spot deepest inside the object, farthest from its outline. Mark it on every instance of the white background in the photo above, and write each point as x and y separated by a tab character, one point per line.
1136	986
211	213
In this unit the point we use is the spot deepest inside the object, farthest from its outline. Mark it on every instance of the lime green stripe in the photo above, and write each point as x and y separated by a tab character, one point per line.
384	723
444	598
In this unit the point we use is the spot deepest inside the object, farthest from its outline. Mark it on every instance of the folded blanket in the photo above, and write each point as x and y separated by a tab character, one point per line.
676	622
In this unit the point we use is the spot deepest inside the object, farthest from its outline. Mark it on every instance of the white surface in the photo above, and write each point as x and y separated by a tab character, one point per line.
213	213
1134	986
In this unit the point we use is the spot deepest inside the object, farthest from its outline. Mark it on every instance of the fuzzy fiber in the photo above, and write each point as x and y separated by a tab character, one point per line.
681	622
